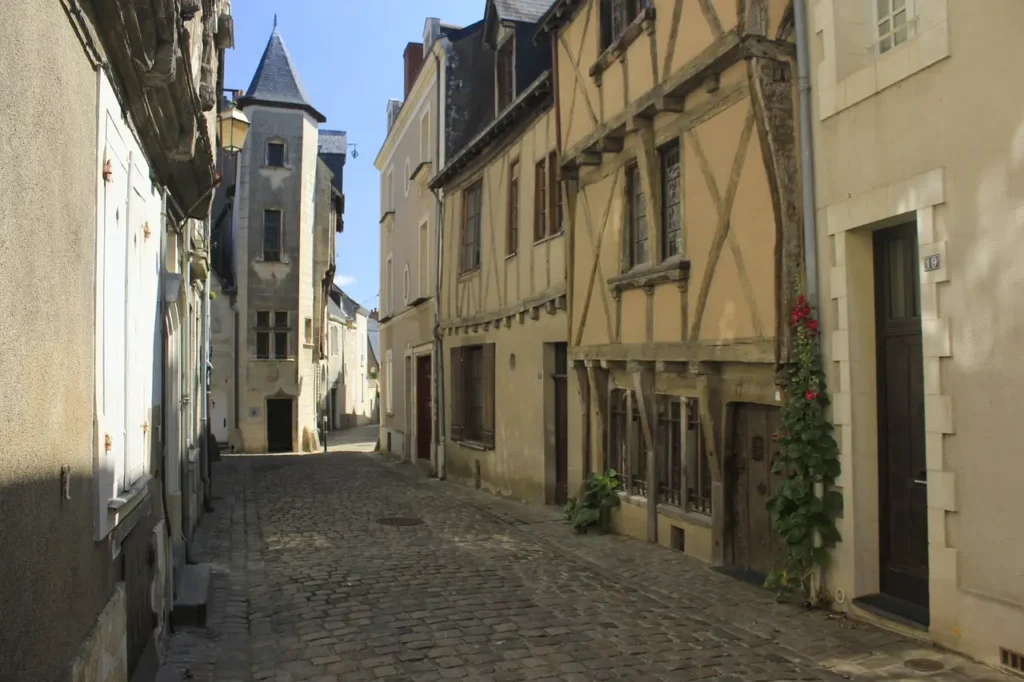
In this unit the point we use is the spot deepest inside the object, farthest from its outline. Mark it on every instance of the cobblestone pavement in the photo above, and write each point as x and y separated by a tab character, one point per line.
308	585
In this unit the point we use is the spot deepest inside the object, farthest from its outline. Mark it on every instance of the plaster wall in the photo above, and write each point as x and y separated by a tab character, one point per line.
921	133
47	225
222	356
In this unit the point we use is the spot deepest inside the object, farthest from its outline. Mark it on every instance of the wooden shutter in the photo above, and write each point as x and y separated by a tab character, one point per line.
456	388
487	428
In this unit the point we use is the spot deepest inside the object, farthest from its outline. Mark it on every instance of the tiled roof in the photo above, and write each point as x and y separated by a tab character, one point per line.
528	11
277	82
373	336
333	142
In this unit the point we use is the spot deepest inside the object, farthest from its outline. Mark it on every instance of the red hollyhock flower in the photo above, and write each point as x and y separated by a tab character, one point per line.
810	395
812	324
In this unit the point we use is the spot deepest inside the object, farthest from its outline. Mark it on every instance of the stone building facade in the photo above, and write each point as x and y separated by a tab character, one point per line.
278	253
101	467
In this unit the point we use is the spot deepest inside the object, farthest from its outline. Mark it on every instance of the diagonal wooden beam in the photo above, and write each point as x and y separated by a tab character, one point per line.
734	243
576	68
711	15
673	36
722	228
597	254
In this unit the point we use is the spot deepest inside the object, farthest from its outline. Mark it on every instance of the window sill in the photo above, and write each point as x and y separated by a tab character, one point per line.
616	51
307	344
273	359
677	513
269	167
475	445
417	301
469	273
387	214
422	168
510	256
279	261
549	237
674	269
124	502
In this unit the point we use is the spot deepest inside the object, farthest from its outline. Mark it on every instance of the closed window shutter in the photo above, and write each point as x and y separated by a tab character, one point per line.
488	395
457	390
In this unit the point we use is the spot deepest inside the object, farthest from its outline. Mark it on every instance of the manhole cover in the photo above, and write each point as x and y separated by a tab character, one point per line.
924	665
400	521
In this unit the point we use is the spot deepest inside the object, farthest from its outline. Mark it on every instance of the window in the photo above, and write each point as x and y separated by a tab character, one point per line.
512	232
389	192
390	385
272	235
616	16
669	433
894	19
424	288
308	329
554	196
636	219
389	286
698	469
334	340
637	451
540	200
271	335
469	254
472	369
505	77
425	136
275	154
618	429
672	201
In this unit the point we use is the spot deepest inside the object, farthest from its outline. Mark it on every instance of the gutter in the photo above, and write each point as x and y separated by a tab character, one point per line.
803	62
441	459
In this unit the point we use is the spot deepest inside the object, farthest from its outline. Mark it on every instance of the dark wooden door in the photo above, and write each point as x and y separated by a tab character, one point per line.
138	558
903	520
279	425
755	544
424	421
561	423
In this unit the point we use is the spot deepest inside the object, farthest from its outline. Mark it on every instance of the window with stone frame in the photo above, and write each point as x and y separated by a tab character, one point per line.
275	154
669	434
272	331
618	433
894	22
671	201
472	380
272	235
616	16
472	211
636	219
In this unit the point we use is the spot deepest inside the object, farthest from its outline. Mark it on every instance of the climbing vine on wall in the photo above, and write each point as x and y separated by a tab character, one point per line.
805	506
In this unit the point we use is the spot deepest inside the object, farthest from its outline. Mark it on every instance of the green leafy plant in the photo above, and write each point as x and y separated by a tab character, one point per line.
805	507
592	509
372	374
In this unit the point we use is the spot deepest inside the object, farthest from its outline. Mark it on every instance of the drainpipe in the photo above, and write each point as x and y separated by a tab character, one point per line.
439	420
168	567
204	449
803	65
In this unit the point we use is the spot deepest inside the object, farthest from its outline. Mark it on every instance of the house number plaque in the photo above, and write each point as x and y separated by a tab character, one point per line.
932	262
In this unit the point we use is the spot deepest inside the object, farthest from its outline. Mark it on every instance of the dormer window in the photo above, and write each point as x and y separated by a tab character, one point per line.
275	154
505	79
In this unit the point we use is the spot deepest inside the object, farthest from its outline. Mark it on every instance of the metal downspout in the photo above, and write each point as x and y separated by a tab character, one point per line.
204	434
439	402
168	557
803	65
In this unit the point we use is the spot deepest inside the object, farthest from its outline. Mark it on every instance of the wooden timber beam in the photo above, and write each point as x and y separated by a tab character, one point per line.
643	384
598	379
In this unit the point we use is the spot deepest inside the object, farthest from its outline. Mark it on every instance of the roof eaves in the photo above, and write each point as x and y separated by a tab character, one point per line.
539	88
560	12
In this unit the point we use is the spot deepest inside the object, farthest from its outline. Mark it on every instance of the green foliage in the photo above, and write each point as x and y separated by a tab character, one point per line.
372	374
809	462
598	496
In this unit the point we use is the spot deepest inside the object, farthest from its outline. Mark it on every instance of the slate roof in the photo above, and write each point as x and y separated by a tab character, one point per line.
276	82
373	336
334	310
333	142
528	11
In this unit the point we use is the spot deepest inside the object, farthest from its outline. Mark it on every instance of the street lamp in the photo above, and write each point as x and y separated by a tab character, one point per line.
232	126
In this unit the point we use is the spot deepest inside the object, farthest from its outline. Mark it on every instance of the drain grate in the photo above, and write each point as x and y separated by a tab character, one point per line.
400	521
924	665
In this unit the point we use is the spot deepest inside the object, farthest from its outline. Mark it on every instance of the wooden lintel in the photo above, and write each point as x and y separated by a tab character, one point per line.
740	351
589	158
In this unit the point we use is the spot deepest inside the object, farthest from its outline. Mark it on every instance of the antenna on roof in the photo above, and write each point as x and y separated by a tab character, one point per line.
275	21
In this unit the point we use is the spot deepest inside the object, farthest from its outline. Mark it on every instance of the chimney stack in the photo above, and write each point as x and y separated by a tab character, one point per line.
374	314
413	57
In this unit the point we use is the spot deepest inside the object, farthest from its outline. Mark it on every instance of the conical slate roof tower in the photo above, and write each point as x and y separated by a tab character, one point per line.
276	82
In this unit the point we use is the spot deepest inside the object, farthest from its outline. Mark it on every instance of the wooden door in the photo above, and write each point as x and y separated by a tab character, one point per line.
279	425
755	544
424	421
561	423
903	514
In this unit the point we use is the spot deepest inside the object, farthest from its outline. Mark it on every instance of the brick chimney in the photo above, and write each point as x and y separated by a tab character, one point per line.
413	57
374	314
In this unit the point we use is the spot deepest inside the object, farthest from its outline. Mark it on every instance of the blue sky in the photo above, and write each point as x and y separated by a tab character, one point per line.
349	56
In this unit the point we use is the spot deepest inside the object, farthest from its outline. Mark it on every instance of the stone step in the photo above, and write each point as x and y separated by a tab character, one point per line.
193	593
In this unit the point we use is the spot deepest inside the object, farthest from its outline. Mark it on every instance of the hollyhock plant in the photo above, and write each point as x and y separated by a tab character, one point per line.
805	506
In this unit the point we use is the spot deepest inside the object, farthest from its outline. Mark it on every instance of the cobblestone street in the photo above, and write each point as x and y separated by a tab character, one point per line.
309	585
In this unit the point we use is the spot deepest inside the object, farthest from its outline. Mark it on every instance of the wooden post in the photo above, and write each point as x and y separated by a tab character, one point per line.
598	377
583	380
643	383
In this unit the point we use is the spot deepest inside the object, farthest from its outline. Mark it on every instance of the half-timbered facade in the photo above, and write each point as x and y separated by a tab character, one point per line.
503	297
677	129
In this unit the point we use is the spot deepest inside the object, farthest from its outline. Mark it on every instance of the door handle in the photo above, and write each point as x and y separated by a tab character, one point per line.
922	478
